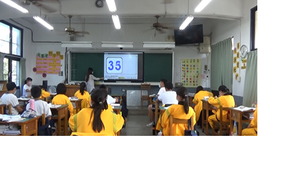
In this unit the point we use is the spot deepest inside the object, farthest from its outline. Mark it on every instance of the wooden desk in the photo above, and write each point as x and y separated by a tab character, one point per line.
205	106
23	100
77	103
117	109
29	126
237	115
59	114
71	90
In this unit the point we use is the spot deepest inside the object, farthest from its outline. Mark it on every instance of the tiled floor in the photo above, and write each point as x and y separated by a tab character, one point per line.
136	124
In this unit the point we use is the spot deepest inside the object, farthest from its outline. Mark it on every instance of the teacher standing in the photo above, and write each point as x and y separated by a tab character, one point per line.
89	79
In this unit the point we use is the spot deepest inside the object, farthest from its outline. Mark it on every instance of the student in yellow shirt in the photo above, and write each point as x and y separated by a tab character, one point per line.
84	95
252	128
61	98
44	94
200	94
225	99
99	118
182	110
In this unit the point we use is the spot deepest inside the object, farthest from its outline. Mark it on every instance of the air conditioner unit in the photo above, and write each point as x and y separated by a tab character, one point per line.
159	45
204	48
206	41
77	44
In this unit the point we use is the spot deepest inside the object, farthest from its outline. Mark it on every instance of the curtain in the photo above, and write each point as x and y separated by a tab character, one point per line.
222	65
22	73
1	65
250	88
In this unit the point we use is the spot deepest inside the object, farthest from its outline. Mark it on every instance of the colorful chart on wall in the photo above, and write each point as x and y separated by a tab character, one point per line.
191	72
48	63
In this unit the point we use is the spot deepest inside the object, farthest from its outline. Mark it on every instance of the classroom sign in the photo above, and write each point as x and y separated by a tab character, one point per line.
48	63
191	72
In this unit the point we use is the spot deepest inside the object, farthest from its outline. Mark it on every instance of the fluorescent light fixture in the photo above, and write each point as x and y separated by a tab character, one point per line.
108	44
15	5
116	21
202	5
43	22
111	5
232	43
186	22
77	44
163	45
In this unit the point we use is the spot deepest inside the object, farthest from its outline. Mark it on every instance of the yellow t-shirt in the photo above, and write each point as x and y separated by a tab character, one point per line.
45	94
198	101
177	111
82	122
86	98
62	99
224	101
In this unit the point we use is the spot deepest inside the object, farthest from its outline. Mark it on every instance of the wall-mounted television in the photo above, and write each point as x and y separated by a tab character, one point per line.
124	66
192	34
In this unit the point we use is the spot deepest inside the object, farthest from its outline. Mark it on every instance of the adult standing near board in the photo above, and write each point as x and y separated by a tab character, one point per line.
89	79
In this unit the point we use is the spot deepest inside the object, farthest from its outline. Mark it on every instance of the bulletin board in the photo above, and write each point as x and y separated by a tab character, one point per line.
48	63
191	72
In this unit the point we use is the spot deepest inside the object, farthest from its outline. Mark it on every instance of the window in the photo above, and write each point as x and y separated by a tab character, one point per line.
11	39
253	29
11	70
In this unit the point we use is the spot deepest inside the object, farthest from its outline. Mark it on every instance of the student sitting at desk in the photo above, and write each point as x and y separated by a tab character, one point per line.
27	87
200	94
110	100
252	128
98	118
151	107
44	94
225	99
84	95
40	106
10	98
61	98
182	110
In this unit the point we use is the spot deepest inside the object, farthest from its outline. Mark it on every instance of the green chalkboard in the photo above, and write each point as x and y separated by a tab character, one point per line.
80	62
156	66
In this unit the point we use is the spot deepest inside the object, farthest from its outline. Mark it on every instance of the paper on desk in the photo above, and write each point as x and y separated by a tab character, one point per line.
11	118
53	106
115	104
242	108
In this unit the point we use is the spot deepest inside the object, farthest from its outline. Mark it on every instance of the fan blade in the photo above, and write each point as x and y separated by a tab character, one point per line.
81	32
148	29
44	7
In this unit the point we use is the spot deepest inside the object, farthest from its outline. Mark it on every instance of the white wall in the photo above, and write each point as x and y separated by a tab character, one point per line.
240	29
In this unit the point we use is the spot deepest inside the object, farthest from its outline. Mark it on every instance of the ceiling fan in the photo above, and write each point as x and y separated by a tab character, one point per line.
71	31
159	27
39	3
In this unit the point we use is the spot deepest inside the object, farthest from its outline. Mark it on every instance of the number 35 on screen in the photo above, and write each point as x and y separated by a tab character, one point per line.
114	65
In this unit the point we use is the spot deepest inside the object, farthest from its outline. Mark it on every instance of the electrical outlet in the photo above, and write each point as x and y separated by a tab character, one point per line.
239	79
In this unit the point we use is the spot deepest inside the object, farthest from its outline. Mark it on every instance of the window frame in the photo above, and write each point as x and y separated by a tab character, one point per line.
252	28
11	26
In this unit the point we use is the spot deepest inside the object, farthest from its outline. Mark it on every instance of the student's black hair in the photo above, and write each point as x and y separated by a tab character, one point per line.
102	86
28	79
43	87
82	87
182	92
164	81
61	88
199	88
224	89
11	86
36	92
90	70
98	96
169	85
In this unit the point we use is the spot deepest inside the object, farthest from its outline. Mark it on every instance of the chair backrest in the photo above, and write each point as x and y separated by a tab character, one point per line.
146	87
221	112
8	109
43	119
173	120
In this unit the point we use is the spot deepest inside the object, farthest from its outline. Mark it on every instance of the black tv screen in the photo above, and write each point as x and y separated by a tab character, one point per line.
190	35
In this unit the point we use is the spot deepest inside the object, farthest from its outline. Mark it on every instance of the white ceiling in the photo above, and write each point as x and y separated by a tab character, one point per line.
129	11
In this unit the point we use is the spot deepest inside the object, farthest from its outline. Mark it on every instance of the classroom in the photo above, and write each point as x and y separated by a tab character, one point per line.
148	65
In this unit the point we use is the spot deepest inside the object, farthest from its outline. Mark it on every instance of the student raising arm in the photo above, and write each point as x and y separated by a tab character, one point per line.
99	118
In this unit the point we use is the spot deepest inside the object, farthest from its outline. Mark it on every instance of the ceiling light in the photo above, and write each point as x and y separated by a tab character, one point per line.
202	5
43	22
186	22
15	5
108	44
116	21
162	45
77	44
111	5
